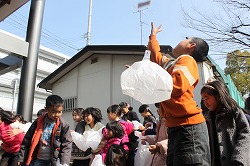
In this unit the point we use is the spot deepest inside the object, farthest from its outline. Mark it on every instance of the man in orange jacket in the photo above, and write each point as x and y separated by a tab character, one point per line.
187	131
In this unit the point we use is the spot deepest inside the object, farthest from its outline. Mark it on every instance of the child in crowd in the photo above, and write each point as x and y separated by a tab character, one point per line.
128	114
188	142
114	114
149	122
19	118
160	146
10	143
113	134
78	118
41	112
19	126
92	119
229	131
80	158
48	141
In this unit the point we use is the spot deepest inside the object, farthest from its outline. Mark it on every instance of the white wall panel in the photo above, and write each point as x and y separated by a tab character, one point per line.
66	86
94	84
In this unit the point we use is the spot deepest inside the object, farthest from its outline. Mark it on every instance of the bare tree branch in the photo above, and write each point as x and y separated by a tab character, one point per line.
230	30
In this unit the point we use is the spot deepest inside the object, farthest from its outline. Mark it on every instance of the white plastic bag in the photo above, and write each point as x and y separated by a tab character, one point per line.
97	161
147	82
139	135
17	125
136	124
87	139
143	156
59	164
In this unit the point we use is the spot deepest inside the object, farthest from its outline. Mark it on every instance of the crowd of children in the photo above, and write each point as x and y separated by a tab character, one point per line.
182	135
48	140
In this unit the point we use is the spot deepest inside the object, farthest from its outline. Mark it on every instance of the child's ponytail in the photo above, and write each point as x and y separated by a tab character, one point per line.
7	116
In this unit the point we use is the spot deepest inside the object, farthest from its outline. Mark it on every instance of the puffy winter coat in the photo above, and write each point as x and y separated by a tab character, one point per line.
231	133
11	144
61	141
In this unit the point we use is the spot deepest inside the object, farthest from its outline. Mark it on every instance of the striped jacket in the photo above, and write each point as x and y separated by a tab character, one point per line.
181	108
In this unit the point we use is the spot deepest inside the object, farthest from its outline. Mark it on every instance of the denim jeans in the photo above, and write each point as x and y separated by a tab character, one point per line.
188	145
39	162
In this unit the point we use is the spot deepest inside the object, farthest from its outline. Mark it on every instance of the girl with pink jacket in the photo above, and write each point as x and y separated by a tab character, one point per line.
11	144
113	134
114	114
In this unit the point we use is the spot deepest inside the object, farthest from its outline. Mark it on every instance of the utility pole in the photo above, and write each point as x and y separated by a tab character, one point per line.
89	22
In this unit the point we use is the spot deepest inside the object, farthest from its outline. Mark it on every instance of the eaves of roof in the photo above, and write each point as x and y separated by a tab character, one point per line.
7	7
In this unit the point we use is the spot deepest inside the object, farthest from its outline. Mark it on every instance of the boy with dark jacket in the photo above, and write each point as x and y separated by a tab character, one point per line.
48	140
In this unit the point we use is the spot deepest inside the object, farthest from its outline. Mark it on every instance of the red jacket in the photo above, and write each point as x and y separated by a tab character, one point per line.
11	144
108	143
128	128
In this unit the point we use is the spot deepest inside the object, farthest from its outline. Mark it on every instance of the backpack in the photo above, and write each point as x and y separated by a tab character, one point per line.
118	156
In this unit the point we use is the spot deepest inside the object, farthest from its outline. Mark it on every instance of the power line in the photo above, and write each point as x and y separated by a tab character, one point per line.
18	21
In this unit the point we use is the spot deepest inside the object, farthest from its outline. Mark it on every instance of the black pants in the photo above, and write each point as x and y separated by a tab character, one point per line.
9	159
81	162
188	145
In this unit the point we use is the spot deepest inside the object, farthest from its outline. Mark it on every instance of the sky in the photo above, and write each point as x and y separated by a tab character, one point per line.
114	22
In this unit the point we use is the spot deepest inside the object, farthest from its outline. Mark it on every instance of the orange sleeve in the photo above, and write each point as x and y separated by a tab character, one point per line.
156	55
185	75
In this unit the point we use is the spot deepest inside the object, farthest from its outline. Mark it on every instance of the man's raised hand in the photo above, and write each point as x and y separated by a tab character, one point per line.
154	30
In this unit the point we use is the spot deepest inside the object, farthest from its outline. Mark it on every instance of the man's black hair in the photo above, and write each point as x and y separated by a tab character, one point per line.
54	100
201	49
